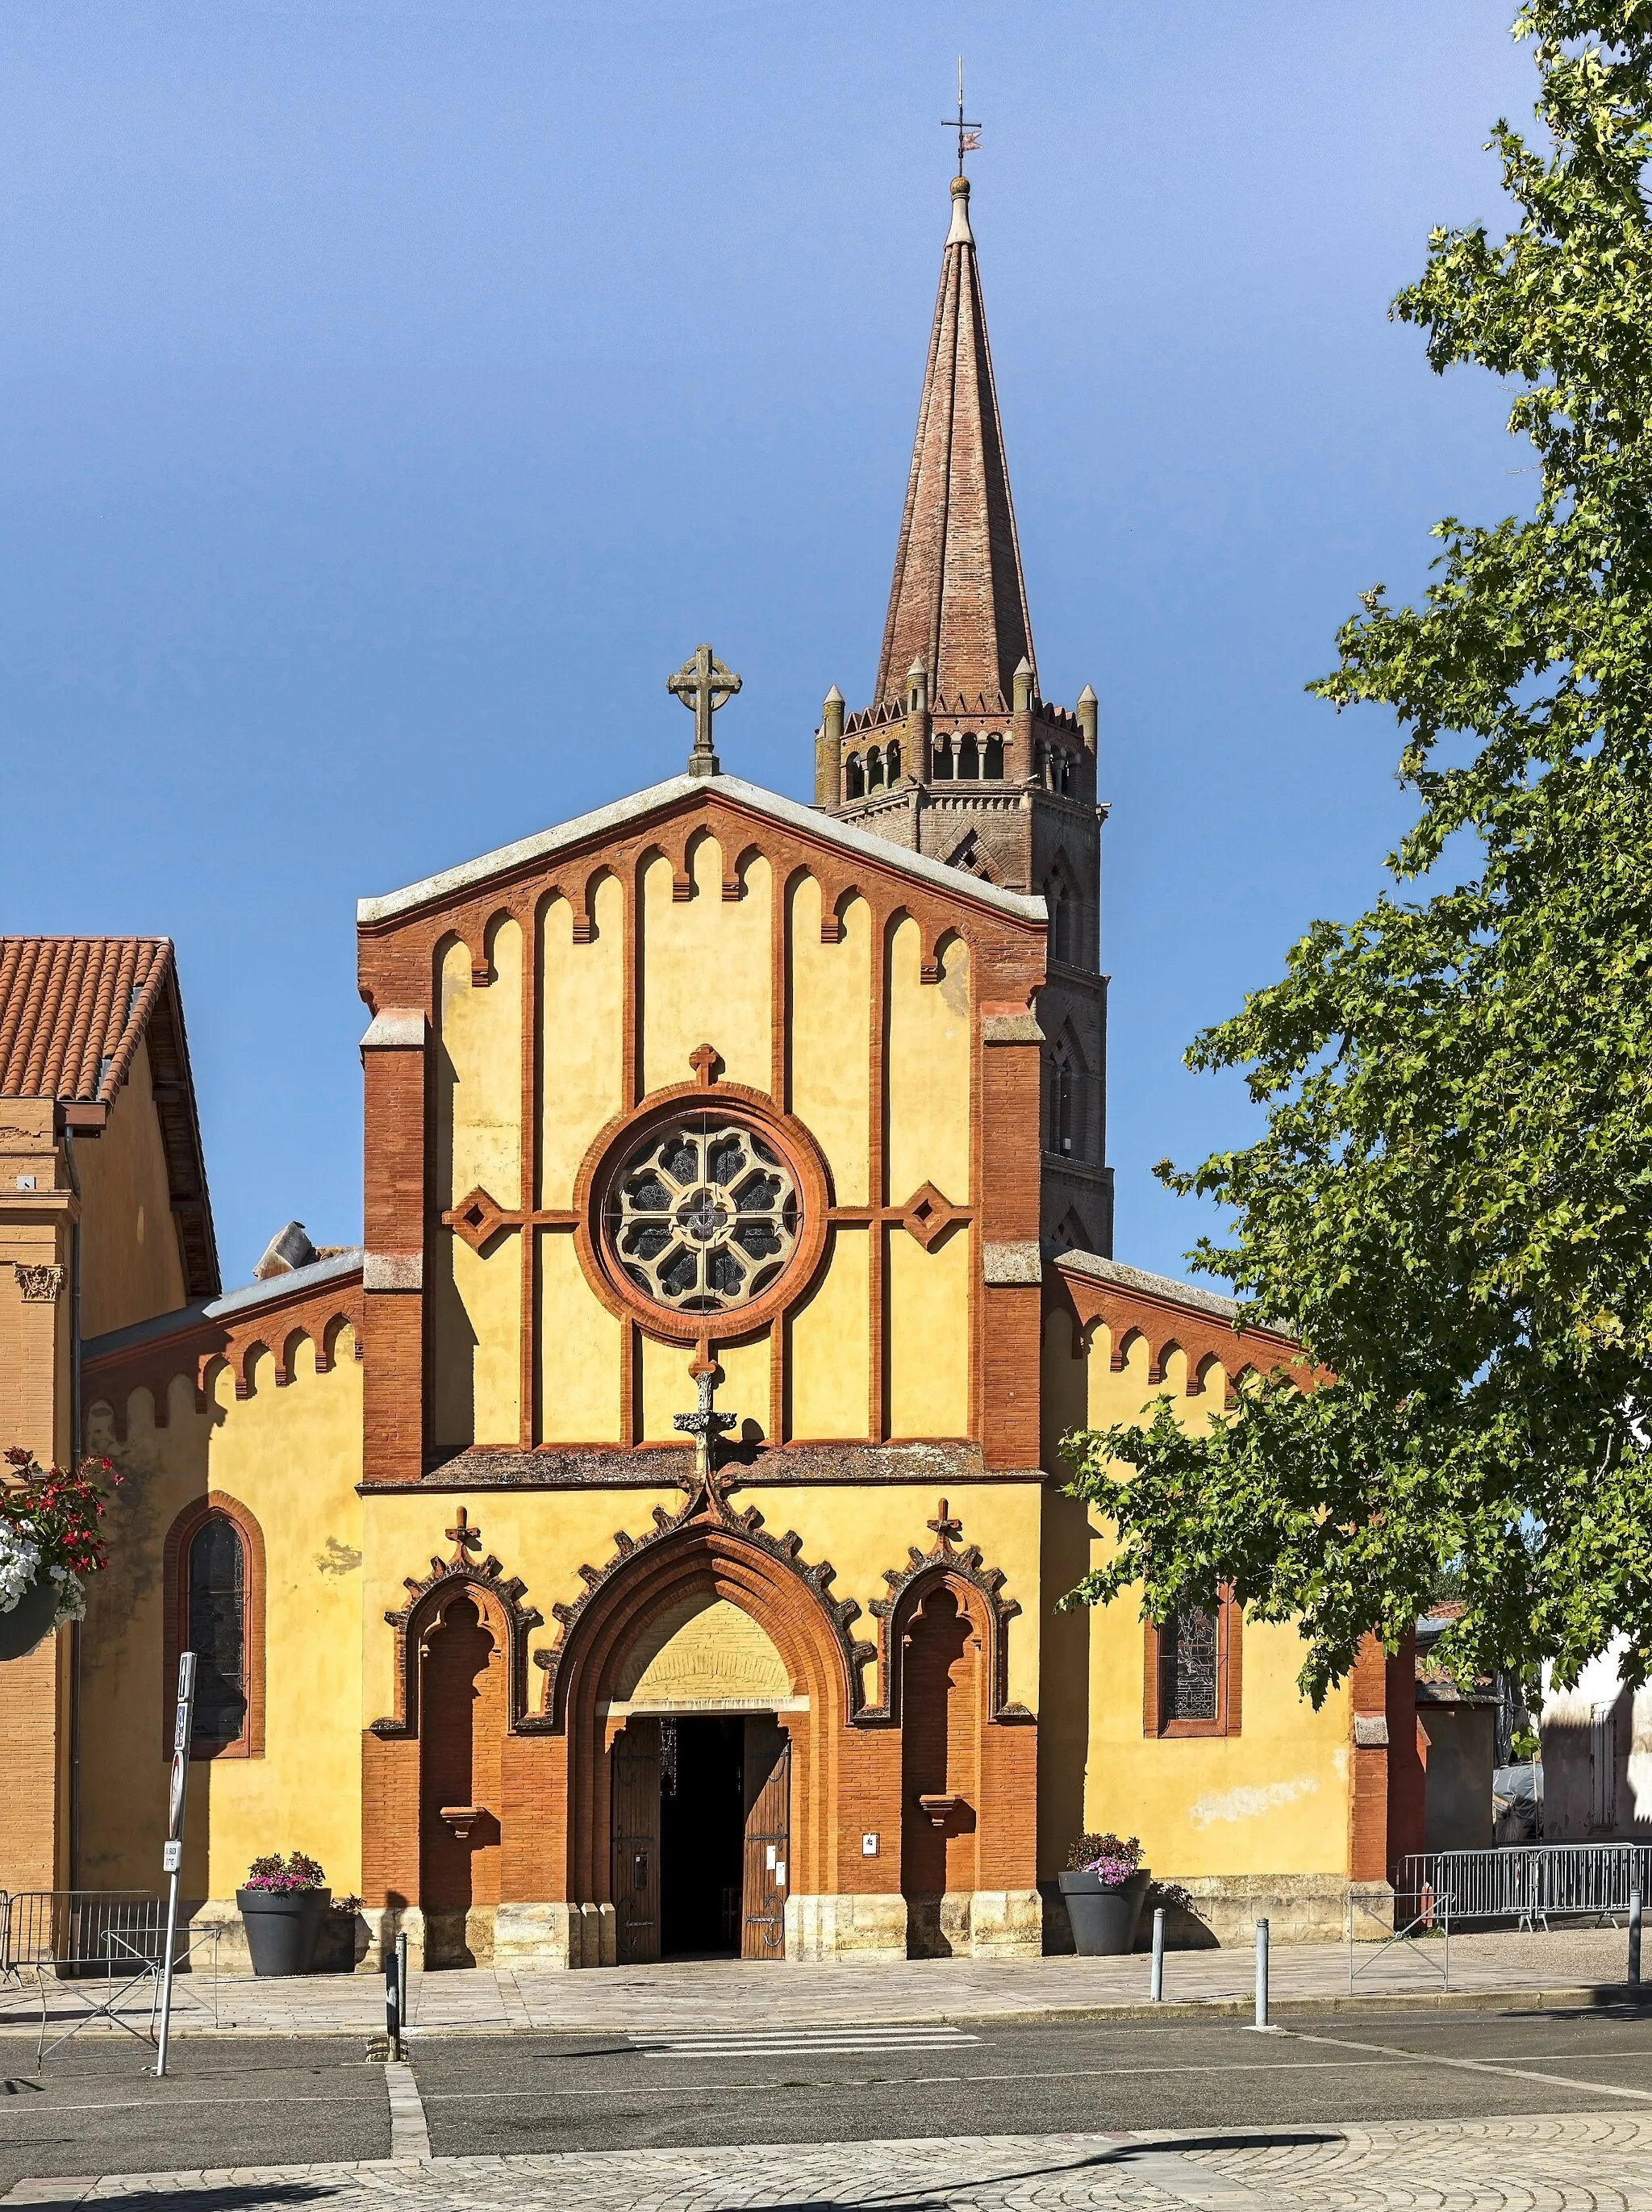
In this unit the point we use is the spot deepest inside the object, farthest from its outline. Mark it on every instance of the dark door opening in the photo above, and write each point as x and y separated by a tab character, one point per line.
701	1834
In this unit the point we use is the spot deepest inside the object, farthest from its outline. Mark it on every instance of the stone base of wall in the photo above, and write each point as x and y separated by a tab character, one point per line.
976	1923
1222	1911
554	1936
847	1927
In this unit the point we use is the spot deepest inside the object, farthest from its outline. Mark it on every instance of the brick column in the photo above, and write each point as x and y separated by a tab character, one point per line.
1011	1269
392	1273
38	1215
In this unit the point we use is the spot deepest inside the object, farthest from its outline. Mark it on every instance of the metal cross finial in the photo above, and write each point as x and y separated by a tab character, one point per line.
703	684
705	1424
969	133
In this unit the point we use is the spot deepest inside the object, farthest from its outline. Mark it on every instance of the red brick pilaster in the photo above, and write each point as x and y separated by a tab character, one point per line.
392	1275
1011	1299
1368	1765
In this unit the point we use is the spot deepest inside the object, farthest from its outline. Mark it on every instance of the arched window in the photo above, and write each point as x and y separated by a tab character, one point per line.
854	780
1064	1104
217	1629
1066	917
214	1565
992	763
892	758
874	769
941	760
968	755
1194	1671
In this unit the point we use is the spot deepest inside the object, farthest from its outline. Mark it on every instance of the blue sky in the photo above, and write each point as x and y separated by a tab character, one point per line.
392	394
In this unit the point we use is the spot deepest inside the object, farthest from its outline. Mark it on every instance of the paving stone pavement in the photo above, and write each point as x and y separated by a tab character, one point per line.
716	1993
1575	2163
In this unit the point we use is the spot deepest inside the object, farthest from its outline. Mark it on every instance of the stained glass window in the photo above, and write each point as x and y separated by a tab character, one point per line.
217	1630
1188	1661
704	1215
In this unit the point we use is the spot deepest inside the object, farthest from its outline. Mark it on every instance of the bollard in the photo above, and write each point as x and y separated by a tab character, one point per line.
393	2004
1634	1939
1156	1989
1261	1973
401	1982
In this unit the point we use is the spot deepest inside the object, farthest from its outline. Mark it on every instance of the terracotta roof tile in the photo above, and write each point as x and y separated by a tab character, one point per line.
72	1010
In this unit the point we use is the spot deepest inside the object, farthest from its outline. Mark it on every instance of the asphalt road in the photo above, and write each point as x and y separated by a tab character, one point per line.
587	2092
238	2101
230	2100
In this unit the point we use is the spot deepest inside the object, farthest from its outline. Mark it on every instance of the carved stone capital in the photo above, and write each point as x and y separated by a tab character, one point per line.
41	1285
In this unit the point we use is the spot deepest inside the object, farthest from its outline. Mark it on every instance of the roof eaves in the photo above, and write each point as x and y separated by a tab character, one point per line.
603	820
182	1320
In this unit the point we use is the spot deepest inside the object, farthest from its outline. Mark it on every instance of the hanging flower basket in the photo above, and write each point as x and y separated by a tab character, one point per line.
49	1545
31	1618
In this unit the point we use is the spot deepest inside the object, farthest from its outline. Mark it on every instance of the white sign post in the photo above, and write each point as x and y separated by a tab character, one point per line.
171	1854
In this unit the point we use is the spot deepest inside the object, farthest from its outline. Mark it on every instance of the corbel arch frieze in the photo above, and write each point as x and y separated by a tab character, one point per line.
962	1568
429	1596
1007	955
278	1326
706	1542
1165	1326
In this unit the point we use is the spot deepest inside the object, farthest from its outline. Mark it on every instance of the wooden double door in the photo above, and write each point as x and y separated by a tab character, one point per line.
701	1828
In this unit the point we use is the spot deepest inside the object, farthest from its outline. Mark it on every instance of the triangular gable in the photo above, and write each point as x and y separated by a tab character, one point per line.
629	817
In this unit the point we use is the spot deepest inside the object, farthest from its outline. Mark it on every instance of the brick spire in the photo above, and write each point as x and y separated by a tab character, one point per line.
958	603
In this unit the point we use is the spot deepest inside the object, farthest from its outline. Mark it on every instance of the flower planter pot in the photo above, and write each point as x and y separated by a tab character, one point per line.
1104	1921
282	1927
29	1619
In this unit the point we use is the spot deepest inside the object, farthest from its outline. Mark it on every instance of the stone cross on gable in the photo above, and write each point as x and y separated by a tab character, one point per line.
705	1424
703	684
465	1537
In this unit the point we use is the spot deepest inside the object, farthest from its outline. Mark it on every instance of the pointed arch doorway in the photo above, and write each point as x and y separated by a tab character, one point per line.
700	1786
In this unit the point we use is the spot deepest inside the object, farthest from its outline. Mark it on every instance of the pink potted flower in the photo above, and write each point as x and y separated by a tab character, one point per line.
283	1904
1103	1884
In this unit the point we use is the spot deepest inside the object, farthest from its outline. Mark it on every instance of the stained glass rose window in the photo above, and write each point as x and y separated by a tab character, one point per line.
704	1215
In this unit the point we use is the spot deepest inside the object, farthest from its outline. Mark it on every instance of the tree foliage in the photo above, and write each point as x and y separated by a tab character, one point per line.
1451	1205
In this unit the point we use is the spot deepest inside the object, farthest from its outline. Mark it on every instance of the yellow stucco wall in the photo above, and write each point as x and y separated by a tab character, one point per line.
1273	1797
927	1081
477	1298
582	1036
928	1301
829	1059
829	1361
707	971
292	1457
130	1264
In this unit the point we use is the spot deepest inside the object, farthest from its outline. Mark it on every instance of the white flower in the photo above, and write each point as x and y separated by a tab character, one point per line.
20	1564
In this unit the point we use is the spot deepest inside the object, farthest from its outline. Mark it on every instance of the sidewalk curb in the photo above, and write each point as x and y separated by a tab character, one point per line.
1585	1997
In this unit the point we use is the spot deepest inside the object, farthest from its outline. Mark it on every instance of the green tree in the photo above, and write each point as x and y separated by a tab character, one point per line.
1451	1207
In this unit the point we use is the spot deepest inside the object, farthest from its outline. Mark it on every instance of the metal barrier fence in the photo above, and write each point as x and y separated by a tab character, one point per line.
1528	1883
60	1939
84	1933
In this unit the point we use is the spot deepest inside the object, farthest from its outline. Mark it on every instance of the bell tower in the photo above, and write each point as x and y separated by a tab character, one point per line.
959	754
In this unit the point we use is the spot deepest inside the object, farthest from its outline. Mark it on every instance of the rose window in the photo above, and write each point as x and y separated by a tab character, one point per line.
703	1215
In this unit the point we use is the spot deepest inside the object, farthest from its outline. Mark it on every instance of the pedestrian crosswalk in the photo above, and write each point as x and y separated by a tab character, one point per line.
841	2039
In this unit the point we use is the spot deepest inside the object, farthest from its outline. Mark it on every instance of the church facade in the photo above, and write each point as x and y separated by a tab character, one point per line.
650	1540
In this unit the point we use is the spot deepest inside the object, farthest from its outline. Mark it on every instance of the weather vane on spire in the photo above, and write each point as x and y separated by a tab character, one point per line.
969	133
